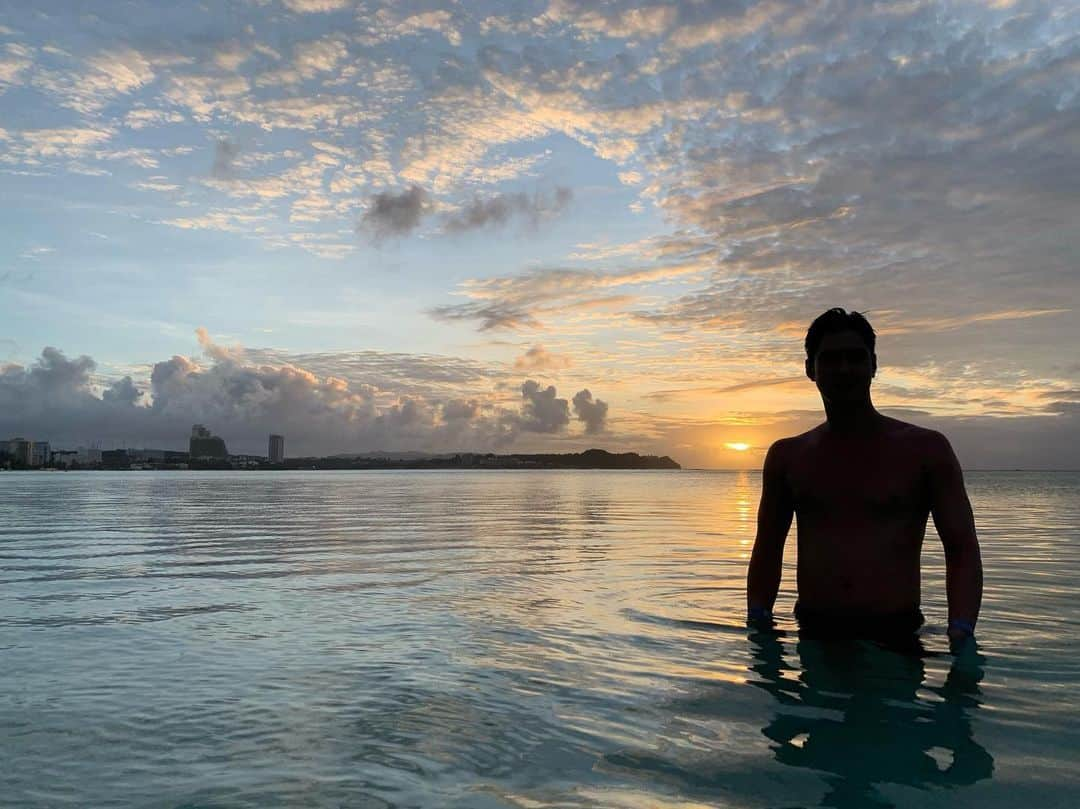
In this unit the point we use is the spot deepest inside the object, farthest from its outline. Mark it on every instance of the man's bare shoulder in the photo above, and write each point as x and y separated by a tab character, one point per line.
926	442
784	449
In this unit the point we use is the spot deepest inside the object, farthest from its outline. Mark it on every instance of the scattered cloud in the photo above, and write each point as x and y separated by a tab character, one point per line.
538	358
225	154
519	301
14	60
395	213
498	210
315	6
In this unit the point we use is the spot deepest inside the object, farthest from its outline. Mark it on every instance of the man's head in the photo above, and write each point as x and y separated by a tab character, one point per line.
840	356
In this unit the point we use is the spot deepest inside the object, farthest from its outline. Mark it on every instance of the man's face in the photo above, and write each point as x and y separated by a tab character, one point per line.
842	367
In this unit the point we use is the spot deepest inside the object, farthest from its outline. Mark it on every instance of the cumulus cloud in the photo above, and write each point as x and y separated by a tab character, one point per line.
122	392
593	412
395	213
497	210
543	411
244	395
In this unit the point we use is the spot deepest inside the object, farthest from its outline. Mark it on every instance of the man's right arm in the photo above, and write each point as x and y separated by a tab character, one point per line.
774	519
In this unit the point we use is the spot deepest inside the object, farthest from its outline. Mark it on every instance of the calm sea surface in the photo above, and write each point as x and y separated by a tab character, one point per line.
503	639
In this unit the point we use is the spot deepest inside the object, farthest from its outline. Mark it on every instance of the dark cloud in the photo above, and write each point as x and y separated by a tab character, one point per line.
395	213
498	210
123	391
225	154
543	412
592	412
399	213
490	316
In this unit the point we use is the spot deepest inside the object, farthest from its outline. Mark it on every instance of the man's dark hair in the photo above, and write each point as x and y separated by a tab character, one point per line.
836	320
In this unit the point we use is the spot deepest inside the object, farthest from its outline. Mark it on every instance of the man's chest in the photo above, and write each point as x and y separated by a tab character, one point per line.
876	485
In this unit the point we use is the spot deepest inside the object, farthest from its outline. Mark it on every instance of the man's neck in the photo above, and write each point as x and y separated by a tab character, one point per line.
852	419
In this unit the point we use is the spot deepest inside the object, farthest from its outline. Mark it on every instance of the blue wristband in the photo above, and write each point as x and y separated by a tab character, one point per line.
956	623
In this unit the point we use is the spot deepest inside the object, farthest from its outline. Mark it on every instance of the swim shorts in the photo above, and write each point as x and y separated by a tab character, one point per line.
845	624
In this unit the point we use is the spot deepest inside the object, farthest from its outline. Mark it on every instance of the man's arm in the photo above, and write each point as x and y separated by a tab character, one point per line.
773	521
956	526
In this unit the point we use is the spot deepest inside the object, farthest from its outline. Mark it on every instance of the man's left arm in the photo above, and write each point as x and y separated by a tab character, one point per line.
956	526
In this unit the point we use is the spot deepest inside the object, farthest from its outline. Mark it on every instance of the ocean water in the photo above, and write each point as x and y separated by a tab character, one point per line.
503	639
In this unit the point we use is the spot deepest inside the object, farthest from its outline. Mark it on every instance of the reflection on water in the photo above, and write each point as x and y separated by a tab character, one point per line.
497	640
853	710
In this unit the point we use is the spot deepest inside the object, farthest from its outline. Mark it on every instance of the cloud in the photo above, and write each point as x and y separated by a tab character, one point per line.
621	20
315	6
12	65
36	146
225	154
592	412
538	358
395	214
489	316
122	392
519	301
430	404
543	412
99	80
399	213
440	21
143	117
738	387
500	209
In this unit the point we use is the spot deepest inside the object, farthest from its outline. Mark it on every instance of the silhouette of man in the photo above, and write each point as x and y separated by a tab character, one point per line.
862	485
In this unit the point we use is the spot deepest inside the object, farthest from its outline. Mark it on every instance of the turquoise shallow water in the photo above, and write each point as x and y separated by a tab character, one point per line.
502	639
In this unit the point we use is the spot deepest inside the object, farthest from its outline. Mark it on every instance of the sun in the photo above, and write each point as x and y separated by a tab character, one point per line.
738	446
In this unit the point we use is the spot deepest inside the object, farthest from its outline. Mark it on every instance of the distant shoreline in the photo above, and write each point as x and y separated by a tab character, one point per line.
590	459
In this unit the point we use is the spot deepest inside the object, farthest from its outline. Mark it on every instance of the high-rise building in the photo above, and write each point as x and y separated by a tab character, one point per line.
277	448
40	453
205	445
21	451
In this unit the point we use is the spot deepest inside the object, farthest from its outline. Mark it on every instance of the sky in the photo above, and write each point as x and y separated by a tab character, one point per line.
536	226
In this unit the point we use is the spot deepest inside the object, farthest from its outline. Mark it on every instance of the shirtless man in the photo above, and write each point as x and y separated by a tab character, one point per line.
862	485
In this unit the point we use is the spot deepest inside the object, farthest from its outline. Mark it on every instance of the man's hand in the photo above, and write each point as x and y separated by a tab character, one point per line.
759	618
961	634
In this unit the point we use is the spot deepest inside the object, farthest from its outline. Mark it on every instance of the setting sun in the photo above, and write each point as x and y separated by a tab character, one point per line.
738	446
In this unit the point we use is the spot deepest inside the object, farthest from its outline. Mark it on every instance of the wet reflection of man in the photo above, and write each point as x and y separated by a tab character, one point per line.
878	730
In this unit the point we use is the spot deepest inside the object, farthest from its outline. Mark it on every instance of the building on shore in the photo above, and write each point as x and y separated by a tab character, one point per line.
89	456
115	459
20	450
40	453
277	449
64	458
203	444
